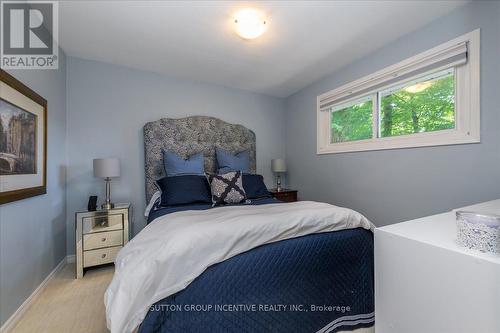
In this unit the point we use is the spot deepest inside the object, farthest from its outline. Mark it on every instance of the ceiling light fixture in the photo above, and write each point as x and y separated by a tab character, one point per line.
250	23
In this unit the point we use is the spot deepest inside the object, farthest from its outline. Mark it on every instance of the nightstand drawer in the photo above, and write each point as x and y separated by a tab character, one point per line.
102	223
100	256
102	239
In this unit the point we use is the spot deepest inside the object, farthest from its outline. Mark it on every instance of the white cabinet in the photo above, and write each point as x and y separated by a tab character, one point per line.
426	283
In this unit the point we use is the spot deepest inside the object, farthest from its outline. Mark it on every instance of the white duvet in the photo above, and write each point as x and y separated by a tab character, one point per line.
168	254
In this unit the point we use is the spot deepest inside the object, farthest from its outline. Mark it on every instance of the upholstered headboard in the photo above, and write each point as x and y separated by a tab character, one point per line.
188	136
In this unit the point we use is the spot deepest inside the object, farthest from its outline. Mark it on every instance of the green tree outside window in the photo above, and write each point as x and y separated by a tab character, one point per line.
424	106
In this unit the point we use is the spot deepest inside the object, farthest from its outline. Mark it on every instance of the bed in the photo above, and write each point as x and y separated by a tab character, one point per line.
258	266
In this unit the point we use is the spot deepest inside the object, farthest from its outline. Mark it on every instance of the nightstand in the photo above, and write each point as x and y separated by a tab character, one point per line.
285	194
100	235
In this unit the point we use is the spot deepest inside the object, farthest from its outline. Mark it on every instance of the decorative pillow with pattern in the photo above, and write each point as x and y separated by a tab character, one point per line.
227	188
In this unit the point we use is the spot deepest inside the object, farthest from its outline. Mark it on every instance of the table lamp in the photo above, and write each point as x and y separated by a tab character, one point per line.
278	165
107	168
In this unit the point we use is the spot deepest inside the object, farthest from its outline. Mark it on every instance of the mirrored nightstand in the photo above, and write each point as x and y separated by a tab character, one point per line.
100	235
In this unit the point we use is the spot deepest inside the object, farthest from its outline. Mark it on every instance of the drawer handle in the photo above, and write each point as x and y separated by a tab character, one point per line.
103	256
103	239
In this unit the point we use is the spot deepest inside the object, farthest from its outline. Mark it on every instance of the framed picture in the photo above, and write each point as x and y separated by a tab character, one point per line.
23	141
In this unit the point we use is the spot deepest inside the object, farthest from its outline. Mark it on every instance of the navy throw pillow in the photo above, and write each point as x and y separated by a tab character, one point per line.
176	165
227	162
254	187
184	190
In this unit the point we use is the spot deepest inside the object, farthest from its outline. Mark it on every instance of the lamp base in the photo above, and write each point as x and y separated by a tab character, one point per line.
278	183
107	205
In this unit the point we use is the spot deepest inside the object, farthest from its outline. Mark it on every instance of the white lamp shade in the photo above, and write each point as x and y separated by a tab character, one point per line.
278	165
106	167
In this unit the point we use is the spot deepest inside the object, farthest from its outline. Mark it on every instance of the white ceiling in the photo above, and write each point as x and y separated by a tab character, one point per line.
195	40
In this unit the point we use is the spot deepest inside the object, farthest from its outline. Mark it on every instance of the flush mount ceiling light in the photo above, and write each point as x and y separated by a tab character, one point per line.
250	23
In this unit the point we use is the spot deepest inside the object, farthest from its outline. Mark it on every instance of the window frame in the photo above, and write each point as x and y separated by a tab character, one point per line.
467	106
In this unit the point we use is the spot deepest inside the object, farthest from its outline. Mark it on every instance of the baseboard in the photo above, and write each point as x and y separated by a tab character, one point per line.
70	258
16	316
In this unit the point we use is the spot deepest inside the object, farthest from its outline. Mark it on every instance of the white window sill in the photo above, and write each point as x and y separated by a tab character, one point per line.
437	138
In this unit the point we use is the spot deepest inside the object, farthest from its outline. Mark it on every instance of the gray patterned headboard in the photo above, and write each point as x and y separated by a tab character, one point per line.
188	136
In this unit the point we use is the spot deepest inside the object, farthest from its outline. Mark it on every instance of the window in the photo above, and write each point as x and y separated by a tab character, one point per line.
424	105
430	99
352	121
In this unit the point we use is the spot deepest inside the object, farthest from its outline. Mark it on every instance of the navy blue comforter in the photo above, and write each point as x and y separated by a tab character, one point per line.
320	282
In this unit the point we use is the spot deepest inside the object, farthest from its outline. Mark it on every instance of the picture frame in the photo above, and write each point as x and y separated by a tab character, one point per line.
23	141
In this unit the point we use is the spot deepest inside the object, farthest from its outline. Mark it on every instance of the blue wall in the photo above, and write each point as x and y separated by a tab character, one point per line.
108	105
33	231
395	185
